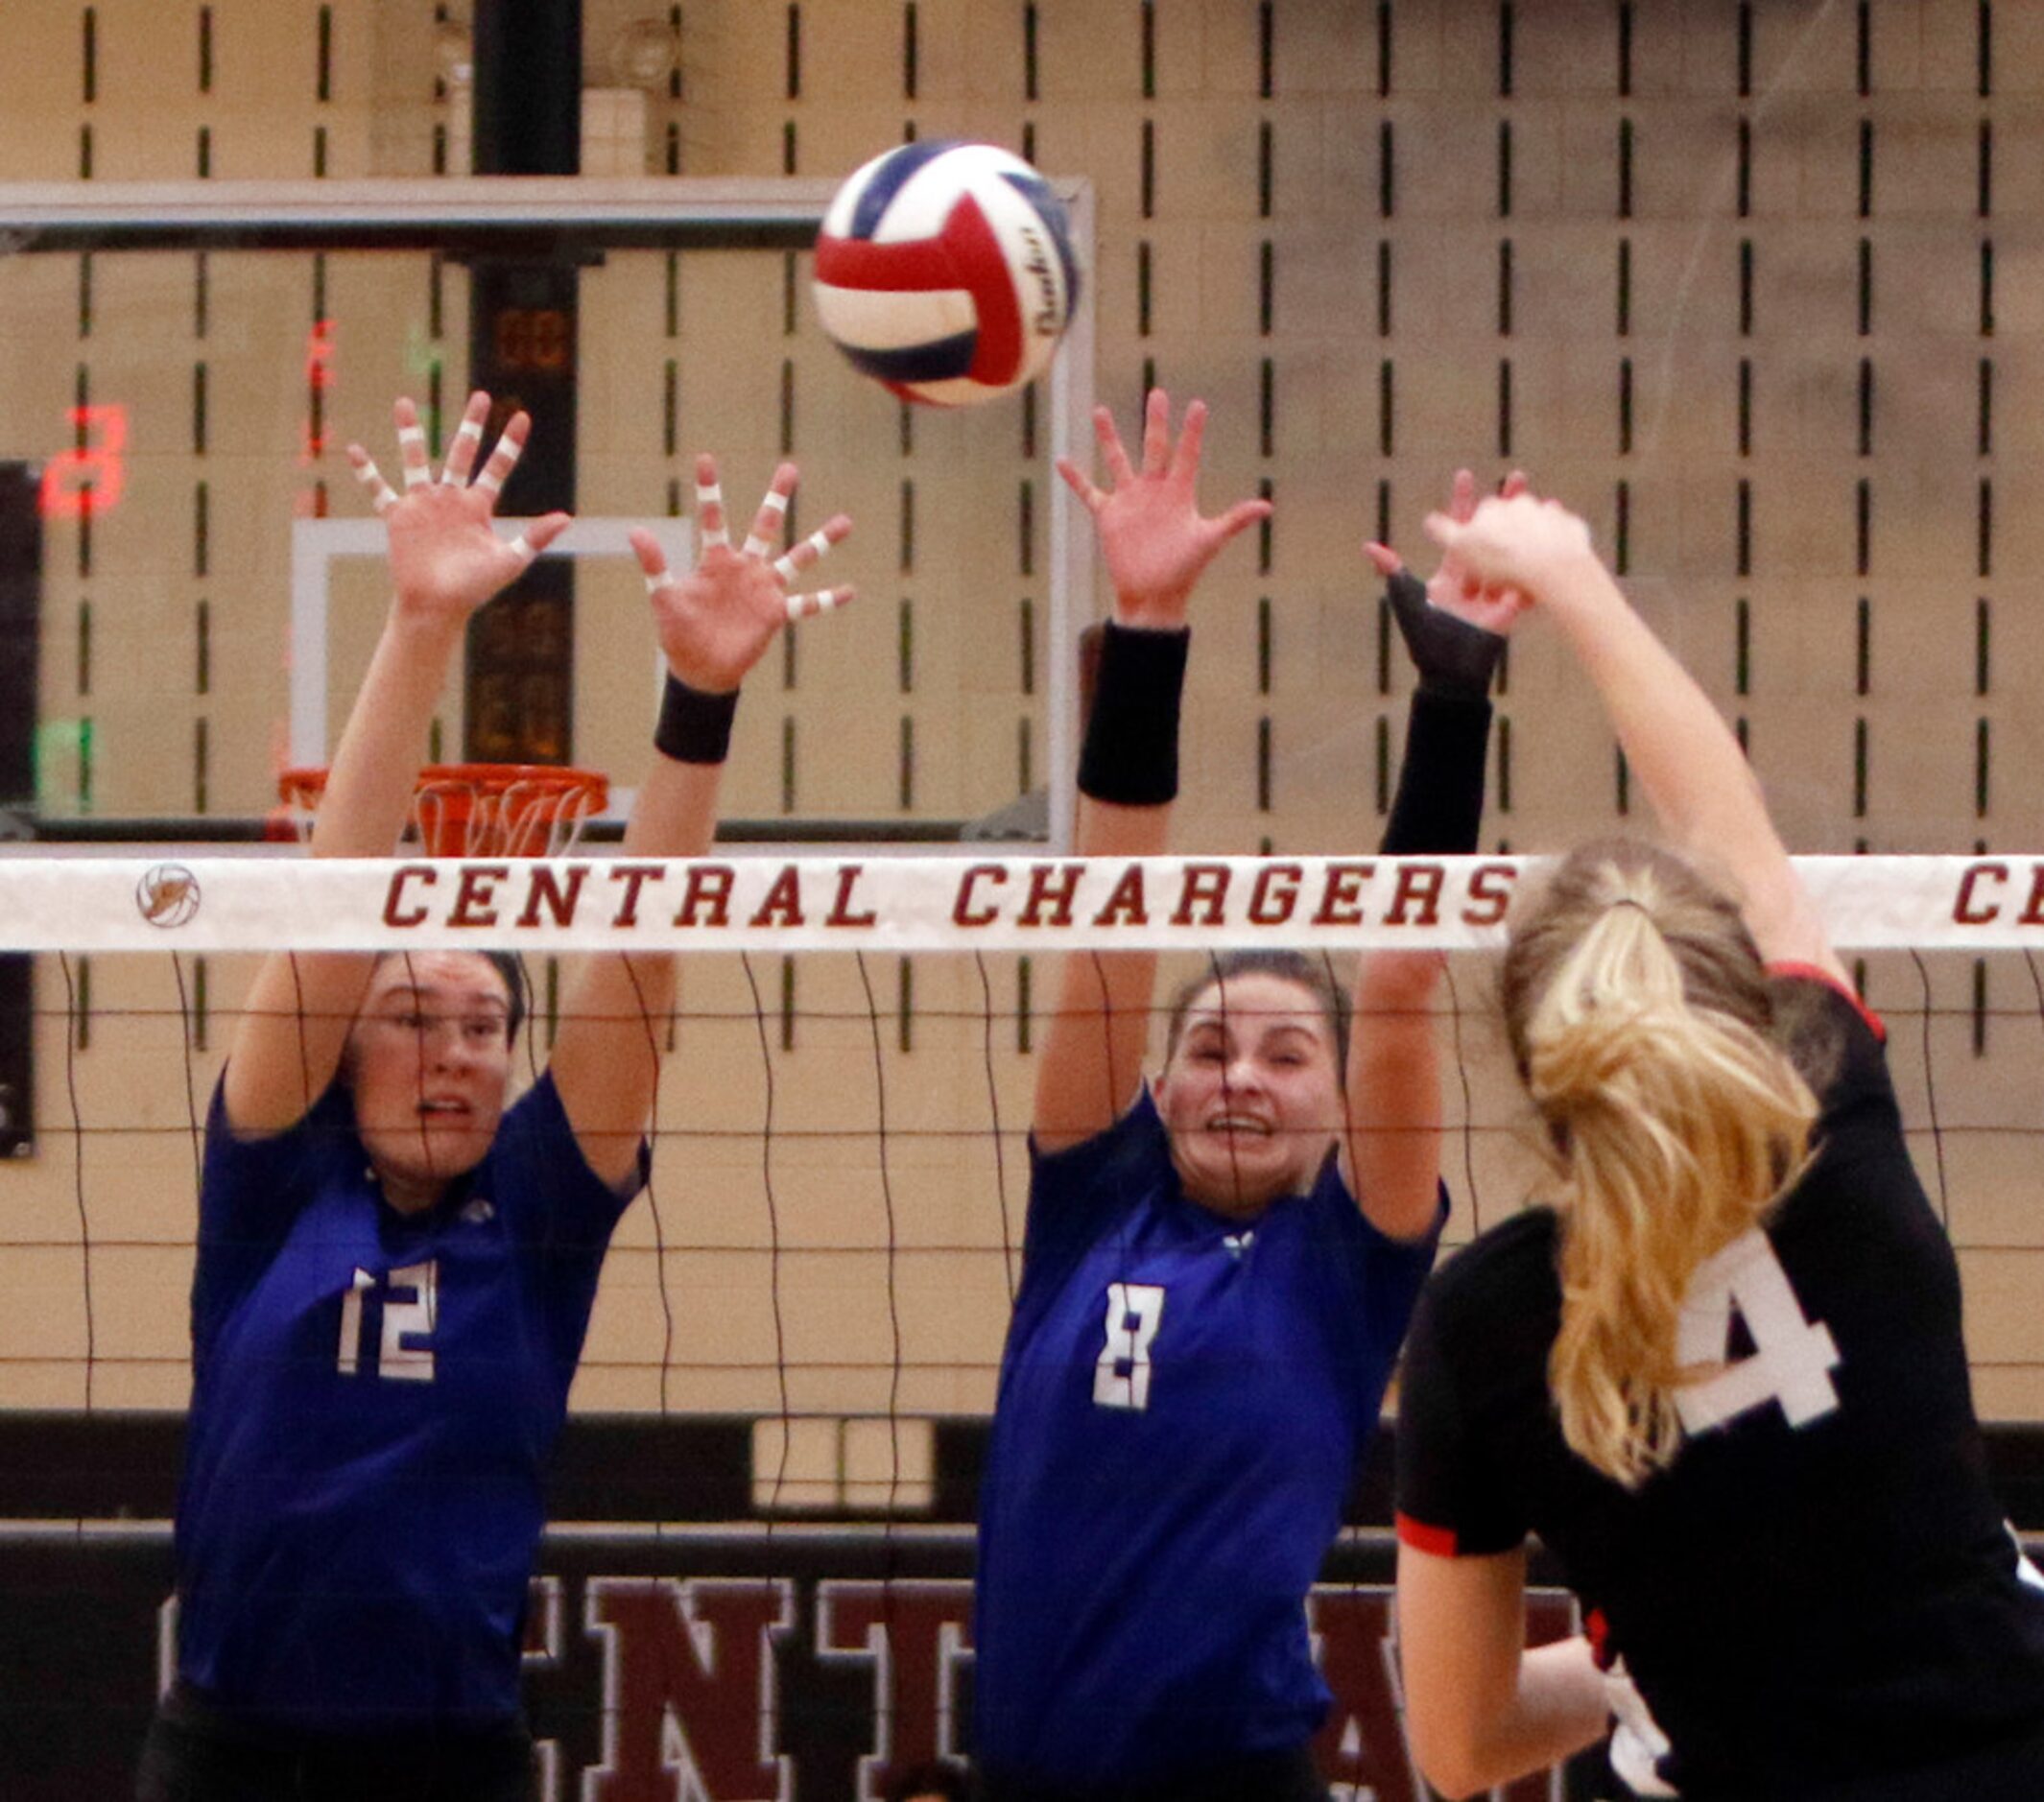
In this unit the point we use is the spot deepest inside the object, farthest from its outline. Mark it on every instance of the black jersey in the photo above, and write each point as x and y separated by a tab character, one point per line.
1820	1587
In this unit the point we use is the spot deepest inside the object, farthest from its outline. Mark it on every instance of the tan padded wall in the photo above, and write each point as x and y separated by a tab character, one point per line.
1755	286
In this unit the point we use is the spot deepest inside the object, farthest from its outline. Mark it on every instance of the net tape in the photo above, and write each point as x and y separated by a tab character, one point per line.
909	903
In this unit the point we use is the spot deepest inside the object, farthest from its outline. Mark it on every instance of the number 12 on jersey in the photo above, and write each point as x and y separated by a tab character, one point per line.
414	1319
1793	1355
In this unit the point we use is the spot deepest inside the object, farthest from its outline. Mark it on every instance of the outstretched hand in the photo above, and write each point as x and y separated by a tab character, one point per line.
1151	530
1453	587
716	621
1453	630
445	558
1515	544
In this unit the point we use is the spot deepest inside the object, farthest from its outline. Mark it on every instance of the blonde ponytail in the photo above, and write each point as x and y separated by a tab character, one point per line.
1638	1012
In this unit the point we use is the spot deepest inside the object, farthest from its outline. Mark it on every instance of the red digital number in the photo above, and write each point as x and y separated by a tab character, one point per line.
319	379
533	337
91	468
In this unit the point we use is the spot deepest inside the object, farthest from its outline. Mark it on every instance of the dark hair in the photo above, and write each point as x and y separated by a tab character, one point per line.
935	1778
509	968
1312	974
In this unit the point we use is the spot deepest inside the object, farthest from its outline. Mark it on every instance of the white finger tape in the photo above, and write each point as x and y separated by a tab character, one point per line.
655	584
411	441
776	500
816	544
381	496
709	495
522	549
755	545
496	472
802	607
472	431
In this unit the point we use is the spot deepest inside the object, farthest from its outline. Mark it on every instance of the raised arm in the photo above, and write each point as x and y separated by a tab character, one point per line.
445	562
714	624
1157	545
1687	760
1392	1151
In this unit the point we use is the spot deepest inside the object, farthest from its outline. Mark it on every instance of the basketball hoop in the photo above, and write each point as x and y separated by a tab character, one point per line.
478	810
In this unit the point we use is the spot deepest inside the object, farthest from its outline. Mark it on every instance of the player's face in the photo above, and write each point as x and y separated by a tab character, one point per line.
429	1059
1251	1097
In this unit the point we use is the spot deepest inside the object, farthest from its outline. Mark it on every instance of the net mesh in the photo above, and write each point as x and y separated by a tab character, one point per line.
839	1166
815	1291
476	810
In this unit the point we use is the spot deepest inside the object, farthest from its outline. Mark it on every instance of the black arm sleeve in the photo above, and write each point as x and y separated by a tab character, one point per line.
1440	805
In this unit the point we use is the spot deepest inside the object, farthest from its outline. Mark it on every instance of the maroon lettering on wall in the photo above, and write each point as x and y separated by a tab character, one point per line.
690	1688
913	1635
1362	1743
707	1688
543	1622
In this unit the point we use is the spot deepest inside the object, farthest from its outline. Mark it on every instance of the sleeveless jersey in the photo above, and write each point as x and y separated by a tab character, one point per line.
375	1399
1183	1398
1820	1588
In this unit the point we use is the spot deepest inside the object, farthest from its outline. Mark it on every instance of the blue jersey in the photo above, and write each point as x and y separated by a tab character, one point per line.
1183	1399
375	1399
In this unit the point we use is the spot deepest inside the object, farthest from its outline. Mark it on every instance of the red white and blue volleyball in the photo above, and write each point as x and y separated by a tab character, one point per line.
944	270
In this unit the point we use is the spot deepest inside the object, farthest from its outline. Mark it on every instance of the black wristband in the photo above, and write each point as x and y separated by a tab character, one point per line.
1453	657
694	728
1130	756
1439	808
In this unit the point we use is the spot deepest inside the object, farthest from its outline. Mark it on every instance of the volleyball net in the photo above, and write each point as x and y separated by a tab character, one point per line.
762	1542
833	1232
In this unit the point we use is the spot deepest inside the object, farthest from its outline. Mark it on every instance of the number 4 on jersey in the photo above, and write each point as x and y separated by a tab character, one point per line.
1792	1357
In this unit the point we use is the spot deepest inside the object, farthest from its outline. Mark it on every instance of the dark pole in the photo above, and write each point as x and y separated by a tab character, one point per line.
20	632
528	87
522	344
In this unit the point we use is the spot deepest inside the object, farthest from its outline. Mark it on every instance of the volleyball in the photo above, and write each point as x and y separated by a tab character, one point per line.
944	270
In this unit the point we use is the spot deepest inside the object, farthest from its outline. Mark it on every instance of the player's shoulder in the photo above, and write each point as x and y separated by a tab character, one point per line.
1134	1143
537	1121
1510	1265
1836	1041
